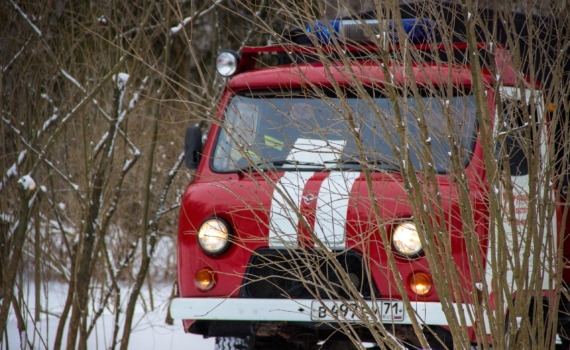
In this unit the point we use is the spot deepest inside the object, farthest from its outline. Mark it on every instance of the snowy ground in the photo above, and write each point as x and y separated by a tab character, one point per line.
149	331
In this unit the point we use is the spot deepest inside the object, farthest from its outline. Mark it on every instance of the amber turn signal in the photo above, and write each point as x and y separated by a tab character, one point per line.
420	283
204	279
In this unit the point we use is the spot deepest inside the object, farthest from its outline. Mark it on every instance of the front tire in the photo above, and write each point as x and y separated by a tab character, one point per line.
525	336
258	343
339	345
232	343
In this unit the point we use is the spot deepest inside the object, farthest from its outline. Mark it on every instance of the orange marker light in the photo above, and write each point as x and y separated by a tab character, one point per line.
420	283
204	279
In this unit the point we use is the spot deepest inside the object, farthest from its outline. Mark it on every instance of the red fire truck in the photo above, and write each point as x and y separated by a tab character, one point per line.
278	221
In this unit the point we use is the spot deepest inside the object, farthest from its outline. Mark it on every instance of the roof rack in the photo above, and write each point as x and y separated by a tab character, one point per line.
295	53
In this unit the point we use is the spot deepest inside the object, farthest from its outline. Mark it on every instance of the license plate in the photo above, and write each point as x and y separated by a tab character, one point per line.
336	310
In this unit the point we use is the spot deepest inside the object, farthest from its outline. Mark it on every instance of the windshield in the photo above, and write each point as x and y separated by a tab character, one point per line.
311	132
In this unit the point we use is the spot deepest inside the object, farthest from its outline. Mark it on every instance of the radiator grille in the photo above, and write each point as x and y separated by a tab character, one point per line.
304	275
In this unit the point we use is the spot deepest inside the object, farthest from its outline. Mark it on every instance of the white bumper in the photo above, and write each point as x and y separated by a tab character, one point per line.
238	309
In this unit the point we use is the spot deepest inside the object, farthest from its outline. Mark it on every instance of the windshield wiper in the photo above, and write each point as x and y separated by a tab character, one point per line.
352	161
292	162
283	162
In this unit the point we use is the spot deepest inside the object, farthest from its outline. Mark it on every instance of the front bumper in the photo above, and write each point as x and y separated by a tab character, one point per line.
287	310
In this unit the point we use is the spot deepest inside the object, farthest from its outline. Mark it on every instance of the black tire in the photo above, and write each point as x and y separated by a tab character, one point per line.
443	340
256	343
339	345
524	337
273	343
232	343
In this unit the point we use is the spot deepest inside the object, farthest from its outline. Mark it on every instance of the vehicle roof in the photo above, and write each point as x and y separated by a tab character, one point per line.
370	73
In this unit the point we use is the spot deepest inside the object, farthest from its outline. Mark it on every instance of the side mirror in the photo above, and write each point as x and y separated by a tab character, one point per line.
193	147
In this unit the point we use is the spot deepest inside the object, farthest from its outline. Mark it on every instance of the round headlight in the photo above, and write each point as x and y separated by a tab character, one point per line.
213	236
227	63
406	240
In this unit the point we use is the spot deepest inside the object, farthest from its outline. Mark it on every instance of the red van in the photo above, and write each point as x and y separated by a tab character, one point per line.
298	228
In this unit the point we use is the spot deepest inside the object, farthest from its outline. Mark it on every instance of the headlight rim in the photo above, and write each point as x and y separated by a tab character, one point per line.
228	242
236	58
413	256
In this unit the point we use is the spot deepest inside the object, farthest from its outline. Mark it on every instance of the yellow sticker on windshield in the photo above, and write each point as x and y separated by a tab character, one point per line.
273	142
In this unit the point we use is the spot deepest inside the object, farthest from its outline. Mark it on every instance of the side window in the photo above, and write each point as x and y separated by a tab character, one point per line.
517	137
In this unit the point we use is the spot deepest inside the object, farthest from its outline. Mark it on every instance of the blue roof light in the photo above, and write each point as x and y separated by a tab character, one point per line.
418	30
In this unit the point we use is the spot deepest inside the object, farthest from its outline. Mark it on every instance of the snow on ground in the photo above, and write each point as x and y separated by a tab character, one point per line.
149	329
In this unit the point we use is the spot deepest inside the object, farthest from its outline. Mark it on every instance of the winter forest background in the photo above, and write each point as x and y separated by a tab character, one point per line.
95	97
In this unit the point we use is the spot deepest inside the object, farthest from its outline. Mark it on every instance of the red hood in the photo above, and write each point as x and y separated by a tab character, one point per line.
330	202
335	205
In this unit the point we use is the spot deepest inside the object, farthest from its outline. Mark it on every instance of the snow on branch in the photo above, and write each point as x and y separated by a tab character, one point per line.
173	207
121	79
118	188
13	170
17	54
45	160
159	211
27	183
48	122
250	30
134	100
63	72
71	183
132	104
48	48
36	29
187	20
67	118
100	144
